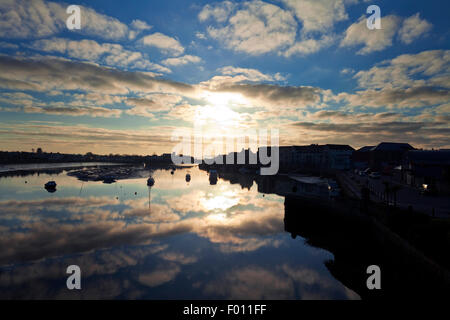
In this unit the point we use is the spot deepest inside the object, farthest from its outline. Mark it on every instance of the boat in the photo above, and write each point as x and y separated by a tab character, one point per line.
150	182
307	187
50	185
188	177
109	179
213	177
172	172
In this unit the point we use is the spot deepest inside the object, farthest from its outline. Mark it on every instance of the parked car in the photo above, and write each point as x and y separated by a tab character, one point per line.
375	175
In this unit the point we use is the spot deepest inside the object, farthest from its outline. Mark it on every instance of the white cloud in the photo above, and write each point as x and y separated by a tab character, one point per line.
200	35
182	60
50	73
35	19
308	46
413	27
318	15
90	50
165	43
145	106
7	45
373	40
347	71
407	81
250	74
140	25
219	11
427	68
257	28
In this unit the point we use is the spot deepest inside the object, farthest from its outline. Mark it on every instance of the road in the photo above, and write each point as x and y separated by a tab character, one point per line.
406	195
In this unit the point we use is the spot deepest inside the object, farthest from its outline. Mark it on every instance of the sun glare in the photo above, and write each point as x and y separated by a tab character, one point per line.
222	202
224	99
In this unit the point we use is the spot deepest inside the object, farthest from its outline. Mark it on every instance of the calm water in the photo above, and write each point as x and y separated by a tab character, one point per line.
190	241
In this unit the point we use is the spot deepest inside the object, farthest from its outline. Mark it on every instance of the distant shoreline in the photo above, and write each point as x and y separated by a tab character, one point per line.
16	168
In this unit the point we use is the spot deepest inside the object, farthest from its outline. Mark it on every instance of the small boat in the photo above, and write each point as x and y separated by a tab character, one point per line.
150	182
50	185
109	180
212	177
188	177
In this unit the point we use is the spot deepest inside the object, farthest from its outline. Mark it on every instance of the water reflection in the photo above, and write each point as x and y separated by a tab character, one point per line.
172	240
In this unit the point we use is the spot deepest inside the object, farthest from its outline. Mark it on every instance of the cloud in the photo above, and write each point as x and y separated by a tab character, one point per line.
256	28
91	111
164	43
36	19
281	282
269	94
347	71
219	11
426	68
200	35
140	25
425	134
81	138
398	98
178	257
149	104
159	276
251	282
318	15
308	46
25	19
413	27
181	60
7	45
53	73
90	50
250	74
157	213
372	40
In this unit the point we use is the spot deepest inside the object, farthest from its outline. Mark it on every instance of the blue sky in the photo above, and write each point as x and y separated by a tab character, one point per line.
139	71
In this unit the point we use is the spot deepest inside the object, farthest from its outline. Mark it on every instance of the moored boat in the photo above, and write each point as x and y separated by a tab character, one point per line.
50	185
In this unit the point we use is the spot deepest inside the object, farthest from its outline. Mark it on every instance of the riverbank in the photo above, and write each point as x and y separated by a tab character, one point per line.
14	169
358	240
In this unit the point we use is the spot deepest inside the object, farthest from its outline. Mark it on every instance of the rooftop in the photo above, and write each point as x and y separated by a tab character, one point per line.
393	146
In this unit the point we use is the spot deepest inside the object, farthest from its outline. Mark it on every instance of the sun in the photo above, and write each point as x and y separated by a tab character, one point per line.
216	114
224	98
219	110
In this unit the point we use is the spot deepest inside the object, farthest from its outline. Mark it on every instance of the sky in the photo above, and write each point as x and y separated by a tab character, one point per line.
139	75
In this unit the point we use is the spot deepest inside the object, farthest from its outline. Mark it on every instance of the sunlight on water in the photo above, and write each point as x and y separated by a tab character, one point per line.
176	239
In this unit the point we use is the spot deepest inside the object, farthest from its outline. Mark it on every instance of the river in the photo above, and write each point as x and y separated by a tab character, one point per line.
175	240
